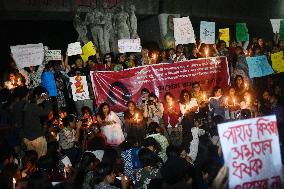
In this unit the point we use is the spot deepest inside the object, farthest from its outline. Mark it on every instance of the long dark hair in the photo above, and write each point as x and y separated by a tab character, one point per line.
100	111
102	170
82	169
181	96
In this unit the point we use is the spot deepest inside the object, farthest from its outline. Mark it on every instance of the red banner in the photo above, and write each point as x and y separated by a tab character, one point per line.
117	88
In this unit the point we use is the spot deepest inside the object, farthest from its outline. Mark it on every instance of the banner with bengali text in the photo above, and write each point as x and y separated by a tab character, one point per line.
117	88
251	151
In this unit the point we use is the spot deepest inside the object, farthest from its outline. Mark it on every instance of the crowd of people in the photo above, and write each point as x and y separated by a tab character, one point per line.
54	142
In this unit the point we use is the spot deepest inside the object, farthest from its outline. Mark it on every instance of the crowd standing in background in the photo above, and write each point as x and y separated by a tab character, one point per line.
157	143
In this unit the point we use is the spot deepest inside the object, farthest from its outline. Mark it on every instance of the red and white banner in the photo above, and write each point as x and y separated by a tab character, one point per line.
117	88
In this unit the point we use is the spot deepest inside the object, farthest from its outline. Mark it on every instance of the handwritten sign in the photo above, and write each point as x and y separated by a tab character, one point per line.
207	32
275	25
277	62
48	81
259	66
242	32
129	45
252	152
53	54
281	30
79	88
74	49
225	35
183	31
88	50
28	55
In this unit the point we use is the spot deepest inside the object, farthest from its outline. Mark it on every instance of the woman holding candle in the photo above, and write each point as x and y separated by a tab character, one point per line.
164	57
133	122
110	125
13	82
217	102
239	85
199	95
186	103
171	118
232	102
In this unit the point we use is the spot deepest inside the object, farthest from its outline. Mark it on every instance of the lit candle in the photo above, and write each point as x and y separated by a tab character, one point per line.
65	173
206	53
234	101
171	104
19	80
248	100
154	56
14	183
226	101
246	85
136	117
204	97
13	82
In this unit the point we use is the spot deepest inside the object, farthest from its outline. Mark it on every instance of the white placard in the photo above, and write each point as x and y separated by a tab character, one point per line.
129	45
183	31
207	32
79	88
275	25
28	55
74	49
252	152
53	54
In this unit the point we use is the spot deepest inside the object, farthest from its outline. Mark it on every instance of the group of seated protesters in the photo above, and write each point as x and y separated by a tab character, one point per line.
169	142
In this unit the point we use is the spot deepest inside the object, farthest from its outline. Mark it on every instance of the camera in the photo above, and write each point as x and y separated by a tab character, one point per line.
151	102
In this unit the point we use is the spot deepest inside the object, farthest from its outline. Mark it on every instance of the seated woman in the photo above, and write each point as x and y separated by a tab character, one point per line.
149	171
133	122
186	103
240	86
171	118
232	102
104	177
217	102
199	95
153	110
110	125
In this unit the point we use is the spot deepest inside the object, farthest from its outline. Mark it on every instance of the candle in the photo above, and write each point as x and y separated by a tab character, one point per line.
234	101
125	178
19	80
204	97
226	101
13	82
206	53
14	183
154	56
248	100
65	174
171	104
246	85
136	117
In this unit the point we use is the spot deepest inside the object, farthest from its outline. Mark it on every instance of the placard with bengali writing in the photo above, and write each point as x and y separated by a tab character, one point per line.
252	152
183	31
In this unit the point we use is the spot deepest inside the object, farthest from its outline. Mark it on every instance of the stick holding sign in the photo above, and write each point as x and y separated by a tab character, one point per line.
251	151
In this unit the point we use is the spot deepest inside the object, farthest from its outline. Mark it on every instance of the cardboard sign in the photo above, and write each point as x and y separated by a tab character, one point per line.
259	66
53	55
277	62
242	32
129	45
28	55
275	25
74	49
88	50
225	35
207	32
79	88
48	81
183	31
251	151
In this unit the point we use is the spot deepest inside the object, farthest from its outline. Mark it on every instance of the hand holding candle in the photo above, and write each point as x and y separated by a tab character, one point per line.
234	101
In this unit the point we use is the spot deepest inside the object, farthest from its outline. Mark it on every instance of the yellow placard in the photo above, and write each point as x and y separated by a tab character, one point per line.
225	35
88	50
277	62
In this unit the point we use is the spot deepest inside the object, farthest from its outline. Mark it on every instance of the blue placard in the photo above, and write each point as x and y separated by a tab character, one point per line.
48	81
259	66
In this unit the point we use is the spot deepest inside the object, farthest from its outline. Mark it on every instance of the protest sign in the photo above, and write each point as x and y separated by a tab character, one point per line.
275	25
277	62
48	81
129	45
28	55
117	88
53	55
252	152
207	32
281	30
183	31
242	32
225	35
74	49
79	88
88	50
259	66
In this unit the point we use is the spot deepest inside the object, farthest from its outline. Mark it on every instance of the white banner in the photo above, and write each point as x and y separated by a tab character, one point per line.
183	31
79	88
275	25
252	152
129	45
28	55
207	32
53	54
74	49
